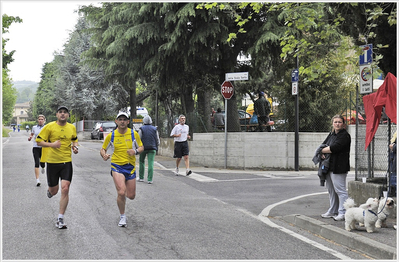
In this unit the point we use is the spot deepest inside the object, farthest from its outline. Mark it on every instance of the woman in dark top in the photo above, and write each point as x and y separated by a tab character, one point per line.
339	143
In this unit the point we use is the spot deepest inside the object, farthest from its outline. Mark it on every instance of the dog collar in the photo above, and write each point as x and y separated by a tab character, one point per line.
372	212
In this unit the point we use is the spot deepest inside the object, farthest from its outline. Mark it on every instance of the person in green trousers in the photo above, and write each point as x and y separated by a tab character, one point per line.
150	137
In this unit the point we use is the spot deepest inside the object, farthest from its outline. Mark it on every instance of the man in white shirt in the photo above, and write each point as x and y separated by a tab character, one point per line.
180	134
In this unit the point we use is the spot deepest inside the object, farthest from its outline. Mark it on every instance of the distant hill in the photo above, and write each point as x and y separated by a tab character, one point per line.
26	90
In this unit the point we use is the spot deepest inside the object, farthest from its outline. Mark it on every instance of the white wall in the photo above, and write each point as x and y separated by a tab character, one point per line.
274	150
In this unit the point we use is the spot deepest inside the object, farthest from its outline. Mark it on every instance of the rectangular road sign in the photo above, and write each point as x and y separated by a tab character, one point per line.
295	75
236	76
367	56
294	88
366	79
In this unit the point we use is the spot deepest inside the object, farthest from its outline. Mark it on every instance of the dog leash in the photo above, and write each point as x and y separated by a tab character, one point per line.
386	200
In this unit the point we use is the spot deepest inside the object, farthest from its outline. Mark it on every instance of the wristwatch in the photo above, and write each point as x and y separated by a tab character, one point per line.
137	151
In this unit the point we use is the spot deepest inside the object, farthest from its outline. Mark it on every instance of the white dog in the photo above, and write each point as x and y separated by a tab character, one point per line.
365	214
384	210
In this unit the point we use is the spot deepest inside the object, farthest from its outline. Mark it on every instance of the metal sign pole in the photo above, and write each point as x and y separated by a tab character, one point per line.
225	133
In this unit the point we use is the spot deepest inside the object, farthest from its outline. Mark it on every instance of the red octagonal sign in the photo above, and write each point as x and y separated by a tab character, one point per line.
227	89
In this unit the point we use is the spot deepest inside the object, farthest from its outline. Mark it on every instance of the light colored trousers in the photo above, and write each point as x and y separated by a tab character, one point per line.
336	186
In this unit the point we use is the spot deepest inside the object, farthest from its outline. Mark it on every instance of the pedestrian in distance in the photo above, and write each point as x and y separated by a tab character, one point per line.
338	146
37	150
213	112
61	139
262	109
127	144
150	138
13	128
27	128
219	118
180	134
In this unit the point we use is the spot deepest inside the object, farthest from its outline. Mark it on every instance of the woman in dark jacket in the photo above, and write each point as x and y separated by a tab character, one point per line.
339	143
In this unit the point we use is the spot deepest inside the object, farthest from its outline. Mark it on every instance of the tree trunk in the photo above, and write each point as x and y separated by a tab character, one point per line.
133	102
233	122
204	98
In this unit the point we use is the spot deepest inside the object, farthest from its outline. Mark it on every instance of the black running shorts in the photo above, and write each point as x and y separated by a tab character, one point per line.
181	149
57	171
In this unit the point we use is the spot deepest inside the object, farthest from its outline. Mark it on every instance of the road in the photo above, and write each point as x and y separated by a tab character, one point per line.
212	214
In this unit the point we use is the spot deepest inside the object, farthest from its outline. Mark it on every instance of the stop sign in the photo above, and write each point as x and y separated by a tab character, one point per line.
227	89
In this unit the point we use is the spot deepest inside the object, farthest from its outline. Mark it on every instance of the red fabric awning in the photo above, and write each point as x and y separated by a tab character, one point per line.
373	104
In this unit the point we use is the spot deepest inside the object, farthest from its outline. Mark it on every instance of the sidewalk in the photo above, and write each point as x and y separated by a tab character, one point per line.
381	244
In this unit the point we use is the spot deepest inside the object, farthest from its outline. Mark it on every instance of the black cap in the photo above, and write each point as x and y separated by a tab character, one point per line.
63	107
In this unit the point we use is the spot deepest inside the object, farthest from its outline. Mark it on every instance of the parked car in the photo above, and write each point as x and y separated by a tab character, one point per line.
100	128
243	117
245	125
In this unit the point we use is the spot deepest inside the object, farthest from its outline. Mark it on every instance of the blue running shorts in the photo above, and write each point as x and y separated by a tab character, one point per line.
126	170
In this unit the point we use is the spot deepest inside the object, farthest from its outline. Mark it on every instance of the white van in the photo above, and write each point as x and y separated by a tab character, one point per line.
141	111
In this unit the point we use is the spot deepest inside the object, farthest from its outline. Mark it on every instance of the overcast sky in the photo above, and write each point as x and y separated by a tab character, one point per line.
45	29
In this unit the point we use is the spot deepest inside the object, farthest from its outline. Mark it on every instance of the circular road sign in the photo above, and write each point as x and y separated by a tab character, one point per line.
227	89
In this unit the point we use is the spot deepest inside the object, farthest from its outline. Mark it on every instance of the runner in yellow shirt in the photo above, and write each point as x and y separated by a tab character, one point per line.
60	138
126	143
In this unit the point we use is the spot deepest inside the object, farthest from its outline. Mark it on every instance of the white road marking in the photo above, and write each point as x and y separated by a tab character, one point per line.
263	216
265	212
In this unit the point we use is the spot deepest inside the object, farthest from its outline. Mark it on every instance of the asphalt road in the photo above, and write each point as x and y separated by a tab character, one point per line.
212	214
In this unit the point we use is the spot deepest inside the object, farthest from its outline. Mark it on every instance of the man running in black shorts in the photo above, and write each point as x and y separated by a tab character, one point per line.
180	134
60	137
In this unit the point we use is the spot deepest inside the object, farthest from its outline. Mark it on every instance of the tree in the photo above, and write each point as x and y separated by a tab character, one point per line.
8	91
7	21
88	94
170	42
9	97
375	23
45	97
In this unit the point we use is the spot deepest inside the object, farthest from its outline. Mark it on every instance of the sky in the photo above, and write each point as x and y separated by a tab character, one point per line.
45	29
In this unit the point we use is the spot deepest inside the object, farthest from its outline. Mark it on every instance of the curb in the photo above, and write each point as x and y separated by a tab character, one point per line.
351	240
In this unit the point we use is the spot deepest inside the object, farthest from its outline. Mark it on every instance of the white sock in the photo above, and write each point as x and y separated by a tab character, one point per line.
60	216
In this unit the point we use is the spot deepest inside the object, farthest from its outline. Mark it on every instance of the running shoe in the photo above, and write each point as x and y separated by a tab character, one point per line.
340	217
60	223
37	182
141	180
177	171
327	215
188	172
49	195
122	222
149	182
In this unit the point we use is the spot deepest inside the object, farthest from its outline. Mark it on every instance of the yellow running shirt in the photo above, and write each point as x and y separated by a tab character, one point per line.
66	134
122	142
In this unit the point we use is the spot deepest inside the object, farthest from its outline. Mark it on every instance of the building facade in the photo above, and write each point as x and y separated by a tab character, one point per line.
20	113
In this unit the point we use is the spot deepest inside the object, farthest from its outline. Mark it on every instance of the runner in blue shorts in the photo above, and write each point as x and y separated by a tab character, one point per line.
127	170
127	144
